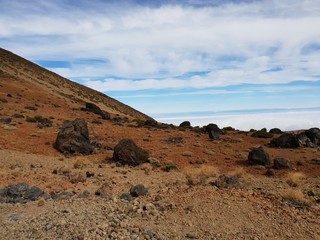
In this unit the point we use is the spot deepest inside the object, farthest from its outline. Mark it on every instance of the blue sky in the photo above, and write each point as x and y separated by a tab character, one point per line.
166	57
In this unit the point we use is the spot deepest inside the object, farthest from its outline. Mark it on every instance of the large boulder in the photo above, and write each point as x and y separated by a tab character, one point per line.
314	135
185	124
275	131
258	156
286	140
213	130
127	152
73	138
90	107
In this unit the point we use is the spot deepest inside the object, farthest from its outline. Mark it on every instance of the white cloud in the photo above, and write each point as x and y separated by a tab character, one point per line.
146	42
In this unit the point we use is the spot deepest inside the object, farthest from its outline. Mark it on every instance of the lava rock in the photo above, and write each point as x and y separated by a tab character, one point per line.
20	193
275	131
262	134
213	130
151	123
286	140
33	193
281	163
314	135
127	197
258	156
225	181
185	124
73	138
127	152
5	120
138	190
90	107
270	172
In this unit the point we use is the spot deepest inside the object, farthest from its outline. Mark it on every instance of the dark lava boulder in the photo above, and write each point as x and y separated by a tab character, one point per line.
286	140
275	131
73	138
127	152
90	107
314	135
151	123
281	163
213	130
185	124
258	156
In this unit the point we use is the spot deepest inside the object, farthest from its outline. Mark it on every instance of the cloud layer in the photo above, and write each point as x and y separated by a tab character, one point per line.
234	41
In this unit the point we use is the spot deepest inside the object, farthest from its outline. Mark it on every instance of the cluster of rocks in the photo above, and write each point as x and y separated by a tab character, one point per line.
80	219
258	156
308	138
19	193
73	138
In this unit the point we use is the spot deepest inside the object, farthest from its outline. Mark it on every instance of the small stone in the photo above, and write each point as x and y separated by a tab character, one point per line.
270	172
127	197
138	190
187	154
209	152
49	226
15	217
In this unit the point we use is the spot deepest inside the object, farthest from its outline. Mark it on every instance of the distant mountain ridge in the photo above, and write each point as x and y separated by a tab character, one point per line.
14	67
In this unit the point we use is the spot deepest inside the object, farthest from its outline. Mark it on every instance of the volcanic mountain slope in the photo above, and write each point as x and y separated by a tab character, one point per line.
197	188
31	79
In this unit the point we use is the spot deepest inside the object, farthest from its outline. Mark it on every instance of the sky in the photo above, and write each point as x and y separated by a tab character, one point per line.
197	60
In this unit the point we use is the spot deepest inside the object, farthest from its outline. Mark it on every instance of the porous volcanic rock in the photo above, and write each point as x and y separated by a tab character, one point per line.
151	123
286	140
314	135
19	193
90	107
213	130
73	138
138	190
185	124
281	163
275	131
258	156
127	152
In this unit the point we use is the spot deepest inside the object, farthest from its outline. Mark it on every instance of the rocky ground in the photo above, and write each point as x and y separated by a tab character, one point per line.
192	183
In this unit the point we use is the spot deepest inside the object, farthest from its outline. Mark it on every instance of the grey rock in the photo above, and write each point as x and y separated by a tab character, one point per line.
73	138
